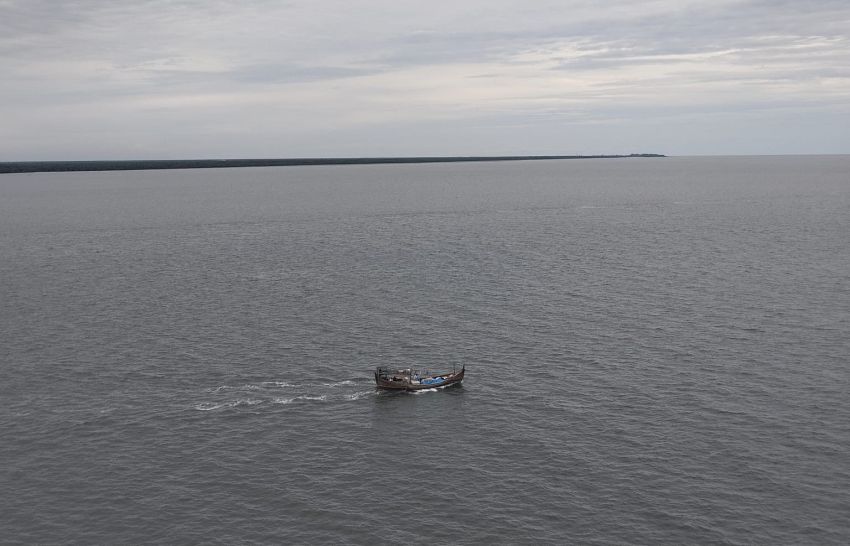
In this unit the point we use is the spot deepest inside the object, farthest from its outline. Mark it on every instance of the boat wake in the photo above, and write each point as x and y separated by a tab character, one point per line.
340	383
275	393
433	389
321	398
210	406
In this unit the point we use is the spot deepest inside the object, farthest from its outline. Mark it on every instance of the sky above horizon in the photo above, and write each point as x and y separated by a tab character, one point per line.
151	79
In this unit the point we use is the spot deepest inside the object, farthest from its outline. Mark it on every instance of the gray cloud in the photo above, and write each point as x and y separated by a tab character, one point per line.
83	78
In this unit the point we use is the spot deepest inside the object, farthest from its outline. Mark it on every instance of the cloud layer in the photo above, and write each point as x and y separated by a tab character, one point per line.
90	79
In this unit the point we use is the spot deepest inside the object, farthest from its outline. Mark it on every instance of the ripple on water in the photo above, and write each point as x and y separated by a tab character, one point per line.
640	372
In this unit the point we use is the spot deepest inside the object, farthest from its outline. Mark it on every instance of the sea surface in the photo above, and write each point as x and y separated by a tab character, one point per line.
657	352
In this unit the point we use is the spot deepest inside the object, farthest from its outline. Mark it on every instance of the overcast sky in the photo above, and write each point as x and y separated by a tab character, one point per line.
111	79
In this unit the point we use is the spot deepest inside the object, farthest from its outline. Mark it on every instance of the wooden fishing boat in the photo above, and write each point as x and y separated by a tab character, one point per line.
413	379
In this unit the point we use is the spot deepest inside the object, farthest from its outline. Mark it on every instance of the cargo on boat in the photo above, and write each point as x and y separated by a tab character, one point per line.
413	379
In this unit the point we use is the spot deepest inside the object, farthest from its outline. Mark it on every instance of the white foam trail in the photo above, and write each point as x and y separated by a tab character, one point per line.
308	397
253	387
247	402
208	406
278	384
297	398
358	395
432	389
339	384
247	387
423	391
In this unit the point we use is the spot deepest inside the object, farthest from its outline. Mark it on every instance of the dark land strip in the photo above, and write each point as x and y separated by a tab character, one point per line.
144	164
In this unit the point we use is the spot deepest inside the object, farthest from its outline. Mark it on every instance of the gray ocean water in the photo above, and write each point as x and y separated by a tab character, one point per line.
656	350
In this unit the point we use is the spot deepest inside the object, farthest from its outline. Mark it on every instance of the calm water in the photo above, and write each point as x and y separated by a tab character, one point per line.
656	349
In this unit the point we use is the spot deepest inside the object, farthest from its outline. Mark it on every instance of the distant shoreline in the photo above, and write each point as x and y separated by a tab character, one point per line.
145	164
